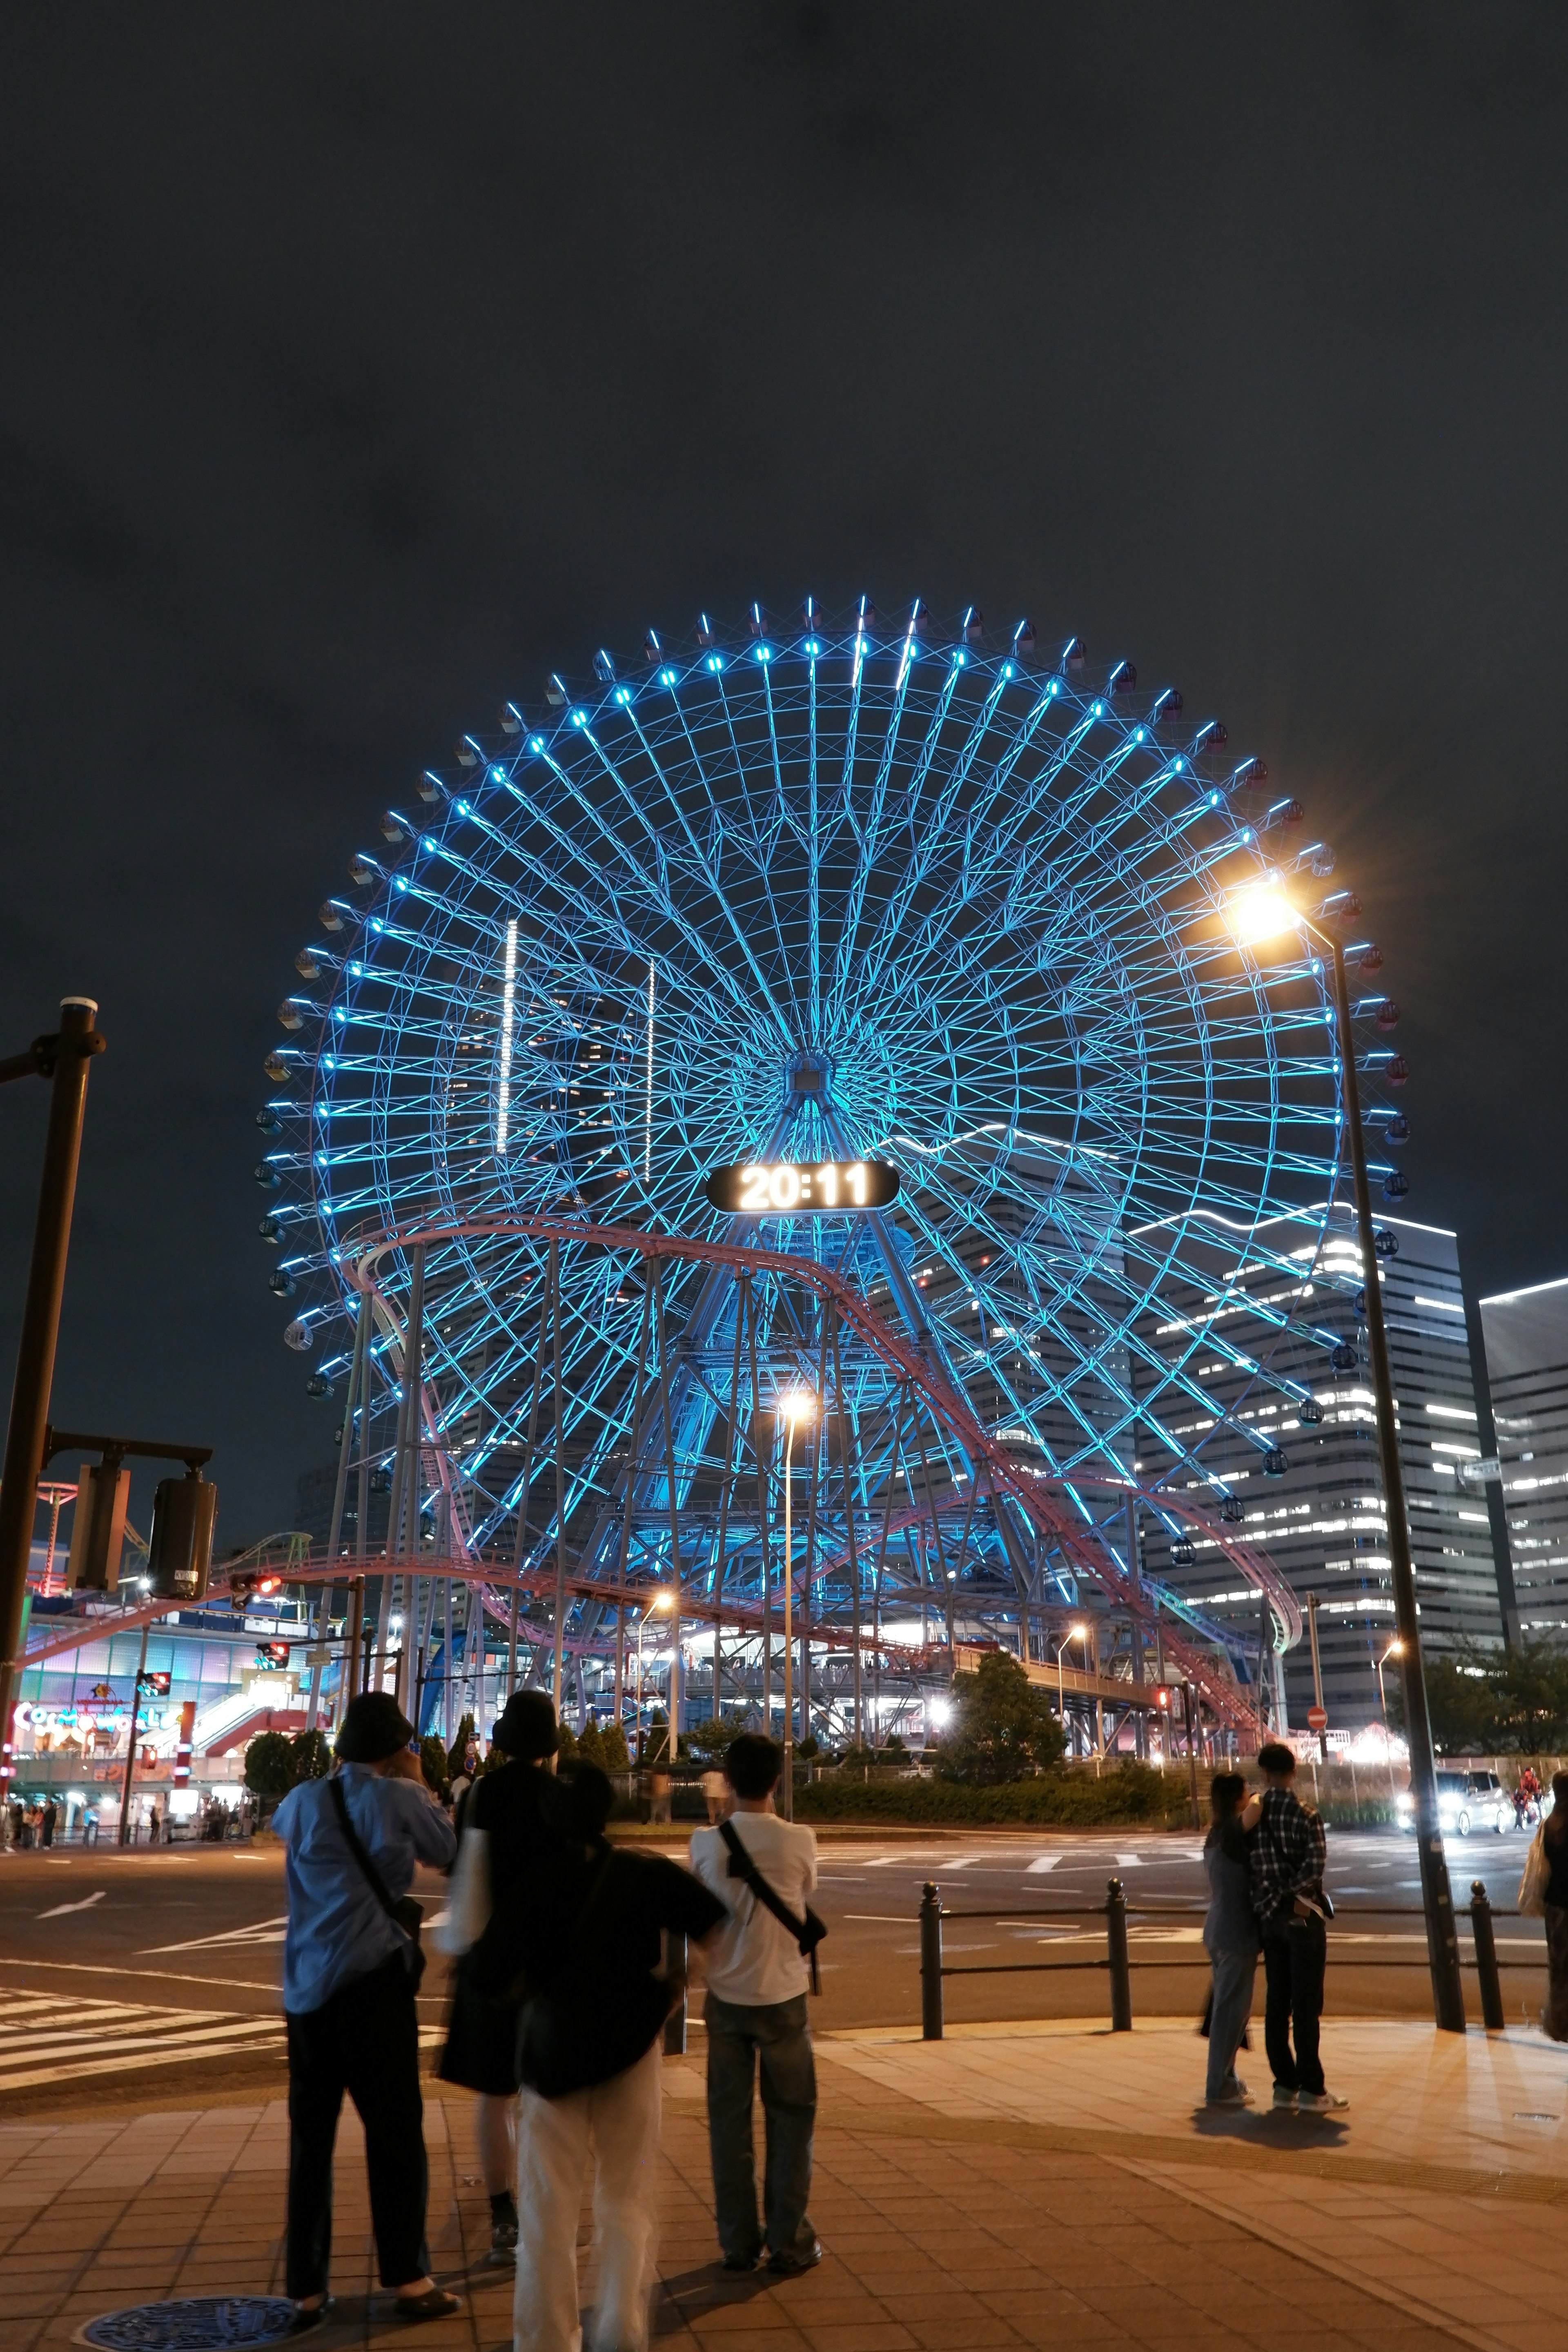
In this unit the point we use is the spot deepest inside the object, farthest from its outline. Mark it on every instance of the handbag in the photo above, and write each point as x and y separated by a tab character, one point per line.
401	1910
807	1932
1536	1877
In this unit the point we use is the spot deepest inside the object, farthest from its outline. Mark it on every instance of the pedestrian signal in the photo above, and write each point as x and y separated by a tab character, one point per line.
1162	1696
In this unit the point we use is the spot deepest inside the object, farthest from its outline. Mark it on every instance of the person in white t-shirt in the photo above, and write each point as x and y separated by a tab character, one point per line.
755	2013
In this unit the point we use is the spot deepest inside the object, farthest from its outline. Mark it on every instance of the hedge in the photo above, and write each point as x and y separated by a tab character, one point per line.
1132	1793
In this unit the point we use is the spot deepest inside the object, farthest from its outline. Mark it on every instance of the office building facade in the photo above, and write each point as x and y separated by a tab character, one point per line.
1526	1334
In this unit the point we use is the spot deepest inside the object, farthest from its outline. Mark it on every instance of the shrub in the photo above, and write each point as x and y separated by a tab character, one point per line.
1061	1799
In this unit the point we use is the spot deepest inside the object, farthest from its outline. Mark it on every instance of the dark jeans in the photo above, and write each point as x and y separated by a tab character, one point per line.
776	2035
365	2041
1293	1961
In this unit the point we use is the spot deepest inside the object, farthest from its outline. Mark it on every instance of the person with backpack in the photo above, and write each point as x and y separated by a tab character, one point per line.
594	1946
763	1869
350	1969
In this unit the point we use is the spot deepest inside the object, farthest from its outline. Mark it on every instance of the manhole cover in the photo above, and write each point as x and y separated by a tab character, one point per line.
207	2323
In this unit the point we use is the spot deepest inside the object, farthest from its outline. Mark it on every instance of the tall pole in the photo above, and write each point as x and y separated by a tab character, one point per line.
131	1750
560	1473
72	1049
1437	1901
787	1775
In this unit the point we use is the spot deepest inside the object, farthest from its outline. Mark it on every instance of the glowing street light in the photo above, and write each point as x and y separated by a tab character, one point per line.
1254	915
1394	1650
658	1602
1073	1633
794	1406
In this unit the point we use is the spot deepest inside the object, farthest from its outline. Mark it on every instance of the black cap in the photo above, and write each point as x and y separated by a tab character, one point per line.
373	1727
527	1729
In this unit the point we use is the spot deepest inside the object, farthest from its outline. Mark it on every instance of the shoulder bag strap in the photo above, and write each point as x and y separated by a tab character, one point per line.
807	1932
355	1844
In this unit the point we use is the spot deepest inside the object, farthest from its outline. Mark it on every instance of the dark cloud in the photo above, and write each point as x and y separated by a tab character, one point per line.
361	364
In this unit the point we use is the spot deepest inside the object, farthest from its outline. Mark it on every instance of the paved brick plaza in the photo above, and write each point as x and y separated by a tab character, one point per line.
1045	2185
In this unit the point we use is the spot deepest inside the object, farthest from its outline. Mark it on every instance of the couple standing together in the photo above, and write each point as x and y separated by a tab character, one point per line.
1264	1857
567	1971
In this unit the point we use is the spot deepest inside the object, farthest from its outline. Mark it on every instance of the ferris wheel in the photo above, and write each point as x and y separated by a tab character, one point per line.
799	897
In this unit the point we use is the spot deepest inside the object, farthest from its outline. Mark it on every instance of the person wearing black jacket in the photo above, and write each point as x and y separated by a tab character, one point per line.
505	1850
1555	1844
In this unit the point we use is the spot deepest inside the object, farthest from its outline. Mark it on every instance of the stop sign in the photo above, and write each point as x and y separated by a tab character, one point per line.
1316	1718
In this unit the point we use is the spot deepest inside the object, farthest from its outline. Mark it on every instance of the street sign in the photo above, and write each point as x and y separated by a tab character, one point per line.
1487	1472
1316	1718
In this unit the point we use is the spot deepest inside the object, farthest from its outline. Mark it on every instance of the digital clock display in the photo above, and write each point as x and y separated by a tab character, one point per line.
790	1188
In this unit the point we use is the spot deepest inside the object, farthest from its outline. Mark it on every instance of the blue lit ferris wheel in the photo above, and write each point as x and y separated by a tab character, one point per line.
803	894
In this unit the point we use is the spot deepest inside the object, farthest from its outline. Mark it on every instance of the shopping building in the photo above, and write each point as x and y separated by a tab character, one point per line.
1526	1336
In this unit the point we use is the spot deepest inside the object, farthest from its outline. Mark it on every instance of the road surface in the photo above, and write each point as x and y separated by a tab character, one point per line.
120	1972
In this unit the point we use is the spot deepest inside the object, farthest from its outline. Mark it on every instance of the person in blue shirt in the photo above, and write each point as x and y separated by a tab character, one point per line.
349	1978
1231	1936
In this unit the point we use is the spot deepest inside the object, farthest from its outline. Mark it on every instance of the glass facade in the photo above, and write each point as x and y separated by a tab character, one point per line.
1527	1362
1321	1517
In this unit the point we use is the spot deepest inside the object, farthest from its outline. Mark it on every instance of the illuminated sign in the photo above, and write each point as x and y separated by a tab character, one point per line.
789	1188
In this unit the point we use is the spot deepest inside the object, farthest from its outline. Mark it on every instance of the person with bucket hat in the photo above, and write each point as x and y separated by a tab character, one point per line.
350	1966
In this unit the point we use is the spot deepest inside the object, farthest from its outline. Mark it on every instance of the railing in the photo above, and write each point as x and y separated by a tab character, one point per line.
1119	1962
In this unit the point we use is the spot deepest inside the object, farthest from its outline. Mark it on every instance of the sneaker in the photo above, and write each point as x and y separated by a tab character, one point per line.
1285	2098
503	2244
1236	2095
790	2264
1320	2103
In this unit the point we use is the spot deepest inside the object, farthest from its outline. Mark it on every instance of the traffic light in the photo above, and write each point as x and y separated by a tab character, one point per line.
250	1584
272	1654
179	1553
1163	1697
98	1526
157	1685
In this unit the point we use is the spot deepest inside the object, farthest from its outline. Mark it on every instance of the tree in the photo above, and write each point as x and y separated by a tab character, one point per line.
269	1764
310	1757
1004	1729
433	1764
1485	1700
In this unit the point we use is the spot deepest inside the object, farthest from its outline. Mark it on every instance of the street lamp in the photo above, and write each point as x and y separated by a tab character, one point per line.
794	1405
1073	1633
1394	1650
1252	917
660	1601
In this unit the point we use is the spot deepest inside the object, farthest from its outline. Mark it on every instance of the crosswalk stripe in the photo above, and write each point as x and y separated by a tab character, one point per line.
63	2038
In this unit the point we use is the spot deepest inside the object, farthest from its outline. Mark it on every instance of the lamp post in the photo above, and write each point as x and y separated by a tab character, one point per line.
1262	914
1394	1649
660	1601
798	1404
1073	1633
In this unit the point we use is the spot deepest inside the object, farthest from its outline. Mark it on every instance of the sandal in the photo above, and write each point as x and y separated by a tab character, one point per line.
433	2303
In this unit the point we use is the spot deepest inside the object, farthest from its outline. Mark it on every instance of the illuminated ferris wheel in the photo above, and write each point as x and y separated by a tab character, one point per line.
805	900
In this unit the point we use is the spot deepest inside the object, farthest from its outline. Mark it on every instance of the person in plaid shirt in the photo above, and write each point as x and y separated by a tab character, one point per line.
1289	1854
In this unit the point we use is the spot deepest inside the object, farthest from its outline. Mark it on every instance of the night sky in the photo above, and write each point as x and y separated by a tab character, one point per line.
363	364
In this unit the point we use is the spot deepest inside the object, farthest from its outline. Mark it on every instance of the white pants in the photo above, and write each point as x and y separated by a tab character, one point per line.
619	2120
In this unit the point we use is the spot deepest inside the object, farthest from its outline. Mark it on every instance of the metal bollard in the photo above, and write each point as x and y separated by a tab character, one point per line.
675	2023
1485	1940
1116	1953
931	1963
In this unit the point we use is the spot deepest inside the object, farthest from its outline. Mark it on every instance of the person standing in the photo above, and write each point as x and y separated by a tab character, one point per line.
46	1821
1230	1938
756	2014
349	1972
1288	1858
506	1850
598	1962
1553	1835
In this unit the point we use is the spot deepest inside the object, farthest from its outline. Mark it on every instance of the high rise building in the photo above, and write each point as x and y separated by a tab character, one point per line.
1527	1367
1318	1512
